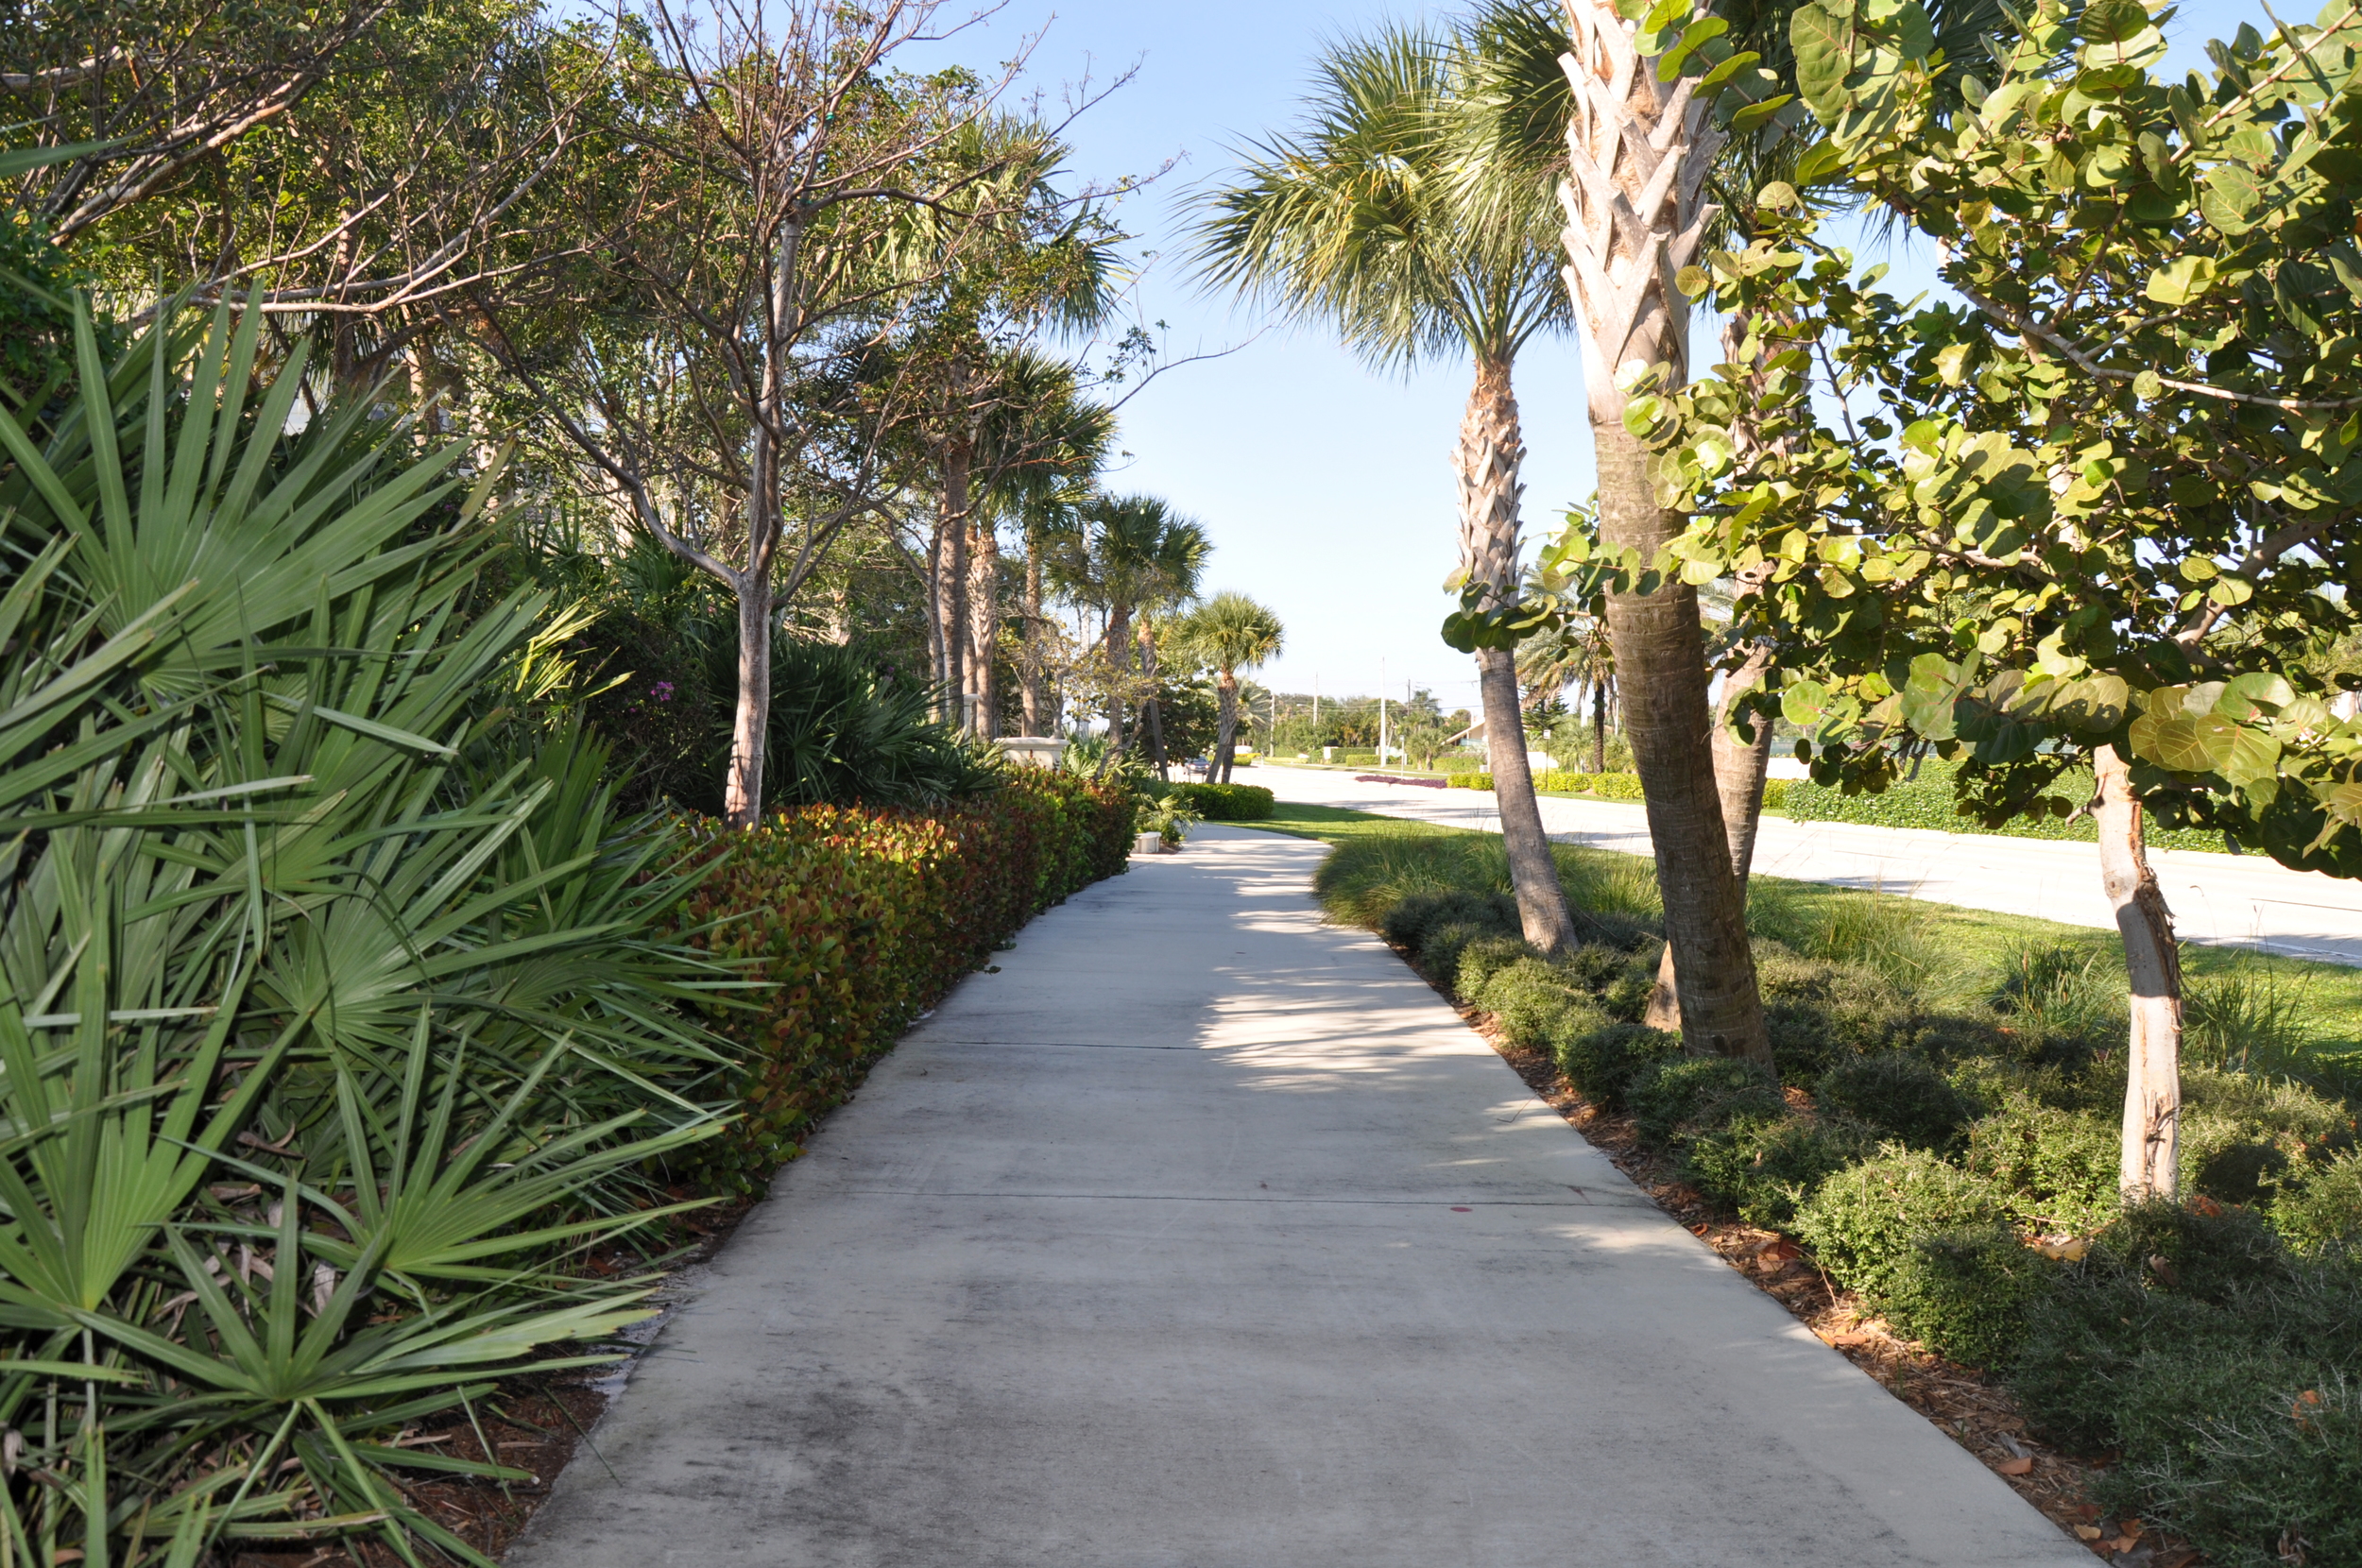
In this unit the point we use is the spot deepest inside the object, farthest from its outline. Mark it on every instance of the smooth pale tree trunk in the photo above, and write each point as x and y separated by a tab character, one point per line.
2152	1089
1119	647
951	590
1491	452
750	724
983	616
1639	152
1035	710
1153	711
1227	727
936	606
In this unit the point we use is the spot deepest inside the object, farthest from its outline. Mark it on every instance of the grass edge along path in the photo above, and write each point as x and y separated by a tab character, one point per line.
2311	998
1973	1407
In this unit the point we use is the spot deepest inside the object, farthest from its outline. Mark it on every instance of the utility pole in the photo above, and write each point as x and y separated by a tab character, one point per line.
1382	710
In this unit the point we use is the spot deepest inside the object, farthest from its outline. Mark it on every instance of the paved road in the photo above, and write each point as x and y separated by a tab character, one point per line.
1206	1236
2241	899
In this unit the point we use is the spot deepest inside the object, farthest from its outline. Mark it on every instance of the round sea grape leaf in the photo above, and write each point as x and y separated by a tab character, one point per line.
1803	702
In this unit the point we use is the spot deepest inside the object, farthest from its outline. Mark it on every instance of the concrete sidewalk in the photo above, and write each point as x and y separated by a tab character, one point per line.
1206	1236
2244	900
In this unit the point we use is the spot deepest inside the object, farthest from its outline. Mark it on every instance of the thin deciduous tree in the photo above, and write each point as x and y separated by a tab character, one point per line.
731	386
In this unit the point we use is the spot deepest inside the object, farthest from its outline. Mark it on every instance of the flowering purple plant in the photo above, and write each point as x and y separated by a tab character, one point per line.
662	691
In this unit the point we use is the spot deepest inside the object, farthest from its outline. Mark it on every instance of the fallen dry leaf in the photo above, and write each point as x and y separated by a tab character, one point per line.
2016	1467
2063	1249
2087	1532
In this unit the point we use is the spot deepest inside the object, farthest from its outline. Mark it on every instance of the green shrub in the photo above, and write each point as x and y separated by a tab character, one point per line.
1692	1090
2325	1209
1439	954
1458	763
1412	921
1765	1165
2241	1173
1480	959
1862	1223
2081	1343
1901	1095
1606	786
1226	802
1533	1000
1469	781
2058	1168
1775	794
2202	1250
856	920
1602	1062
1965	1292
2251	1456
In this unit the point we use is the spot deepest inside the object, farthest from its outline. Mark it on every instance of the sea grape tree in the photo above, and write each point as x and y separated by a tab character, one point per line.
2096	504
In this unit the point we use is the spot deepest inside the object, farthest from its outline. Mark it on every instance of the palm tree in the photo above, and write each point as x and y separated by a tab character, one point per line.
1035	452
1122	555
1231	632
1356	222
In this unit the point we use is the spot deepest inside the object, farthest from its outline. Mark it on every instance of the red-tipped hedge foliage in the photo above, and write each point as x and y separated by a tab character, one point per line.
855	920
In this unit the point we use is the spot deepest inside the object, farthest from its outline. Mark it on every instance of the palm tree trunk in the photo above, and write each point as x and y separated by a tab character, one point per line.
1226	729
1625	127
1599	724
984	615
1492	449
2152	1089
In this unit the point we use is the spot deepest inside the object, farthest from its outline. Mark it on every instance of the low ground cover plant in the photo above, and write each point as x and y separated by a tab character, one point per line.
1942	1136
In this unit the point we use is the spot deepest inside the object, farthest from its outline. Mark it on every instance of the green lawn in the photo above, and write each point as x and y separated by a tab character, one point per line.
2317	1006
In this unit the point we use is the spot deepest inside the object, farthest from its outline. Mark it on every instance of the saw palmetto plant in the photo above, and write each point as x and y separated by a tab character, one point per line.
333	1022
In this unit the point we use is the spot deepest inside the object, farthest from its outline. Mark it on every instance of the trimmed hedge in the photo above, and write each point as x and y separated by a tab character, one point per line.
1225	802
1927	801
852	921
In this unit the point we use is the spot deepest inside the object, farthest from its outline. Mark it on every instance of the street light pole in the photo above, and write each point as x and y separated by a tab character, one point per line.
1382	711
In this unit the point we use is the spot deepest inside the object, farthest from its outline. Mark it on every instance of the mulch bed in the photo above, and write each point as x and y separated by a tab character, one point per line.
1968	1406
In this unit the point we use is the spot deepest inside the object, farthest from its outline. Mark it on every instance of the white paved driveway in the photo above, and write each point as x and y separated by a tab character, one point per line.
2222	898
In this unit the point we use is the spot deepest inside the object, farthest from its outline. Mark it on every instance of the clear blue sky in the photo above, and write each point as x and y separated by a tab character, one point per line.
1327	489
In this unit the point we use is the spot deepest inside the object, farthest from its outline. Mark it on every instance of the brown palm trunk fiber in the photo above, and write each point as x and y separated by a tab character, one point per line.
1491	451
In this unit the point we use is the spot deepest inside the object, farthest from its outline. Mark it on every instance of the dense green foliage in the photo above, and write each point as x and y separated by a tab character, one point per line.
846	727
2107	498
321	953
1225	802
1933	1123
853	920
